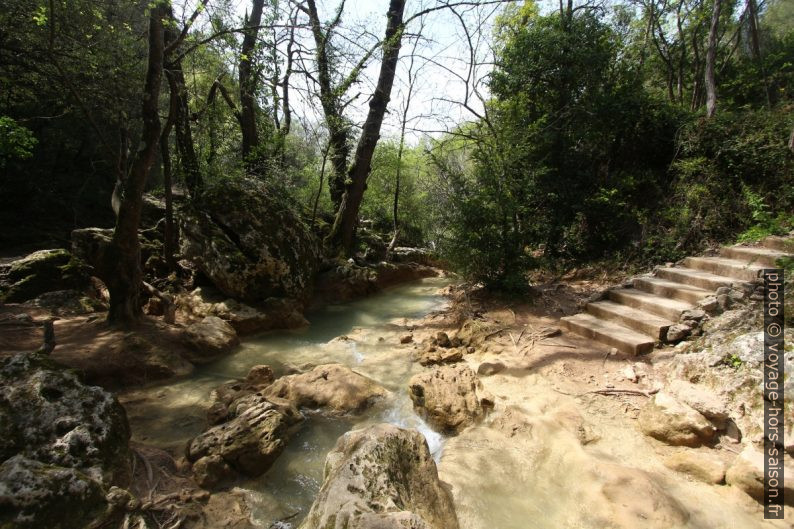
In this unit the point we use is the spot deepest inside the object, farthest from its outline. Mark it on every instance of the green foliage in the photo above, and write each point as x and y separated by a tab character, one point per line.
733	361
765	224
575	154
16	142
732	178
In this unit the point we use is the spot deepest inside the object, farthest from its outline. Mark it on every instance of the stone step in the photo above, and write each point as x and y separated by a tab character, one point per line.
723	266
696	278
636	320
667	308
756	255
609	333
781	244
670	289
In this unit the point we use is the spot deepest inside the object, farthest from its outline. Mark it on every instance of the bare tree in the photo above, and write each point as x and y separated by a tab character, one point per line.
406	106
341	237
711	58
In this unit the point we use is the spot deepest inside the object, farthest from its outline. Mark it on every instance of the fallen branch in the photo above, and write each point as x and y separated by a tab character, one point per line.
560	345
494	333
611	392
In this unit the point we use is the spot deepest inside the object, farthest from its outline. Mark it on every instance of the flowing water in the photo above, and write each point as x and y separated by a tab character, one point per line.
362	335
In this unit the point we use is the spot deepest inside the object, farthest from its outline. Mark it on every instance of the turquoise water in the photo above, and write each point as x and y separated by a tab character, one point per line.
170	415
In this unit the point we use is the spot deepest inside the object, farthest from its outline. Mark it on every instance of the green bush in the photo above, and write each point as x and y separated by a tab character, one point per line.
732	180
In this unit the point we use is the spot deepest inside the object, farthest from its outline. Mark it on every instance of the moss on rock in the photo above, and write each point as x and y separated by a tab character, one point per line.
40	272
249	242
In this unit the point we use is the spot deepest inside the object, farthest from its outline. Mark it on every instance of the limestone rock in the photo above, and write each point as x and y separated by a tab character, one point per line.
747	473
212	470
408	338
381	477
709	304
35	495
41	272
340	281
334	387
47	414
672	422
693	315
705	402
250	242
677	332
272	313
488	368
403	254
701	466
260	376
210	338
226	395
450	397
66	303
62	444
249	443
442	340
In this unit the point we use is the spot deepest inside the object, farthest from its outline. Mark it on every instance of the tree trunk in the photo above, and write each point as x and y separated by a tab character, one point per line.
338	132
165	154
320	187
711	58
755	48
343	231
180	118
122	259
184	134
403	125
248	83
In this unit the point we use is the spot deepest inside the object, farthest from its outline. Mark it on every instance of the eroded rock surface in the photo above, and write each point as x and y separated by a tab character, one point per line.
667	419
381	477
250	243
747	473
40	272
450	397
248	444
210	338
702	466
272	313
62	445
335	388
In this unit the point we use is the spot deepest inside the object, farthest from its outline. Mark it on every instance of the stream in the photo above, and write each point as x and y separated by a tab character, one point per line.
361	334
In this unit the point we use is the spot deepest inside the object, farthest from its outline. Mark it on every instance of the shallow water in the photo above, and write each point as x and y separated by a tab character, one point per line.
170	415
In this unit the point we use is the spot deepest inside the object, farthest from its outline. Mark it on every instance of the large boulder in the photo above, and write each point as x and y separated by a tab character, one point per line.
62	445
335	388
41	272
450	397
381	477
210	338
249	443
667	419
249	242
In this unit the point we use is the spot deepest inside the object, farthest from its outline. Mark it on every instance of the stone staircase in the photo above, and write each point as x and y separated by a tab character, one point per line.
634	318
